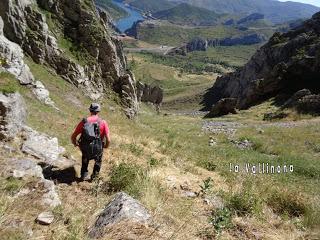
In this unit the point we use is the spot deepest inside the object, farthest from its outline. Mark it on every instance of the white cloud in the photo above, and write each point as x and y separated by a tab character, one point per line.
313	2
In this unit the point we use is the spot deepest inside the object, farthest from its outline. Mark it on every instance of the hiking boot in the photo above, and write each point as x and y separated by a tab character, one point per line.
84	177
94	177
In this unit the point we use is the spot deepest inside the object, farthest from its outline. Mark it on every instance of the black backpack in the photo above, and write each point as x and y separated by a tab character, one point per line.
90	141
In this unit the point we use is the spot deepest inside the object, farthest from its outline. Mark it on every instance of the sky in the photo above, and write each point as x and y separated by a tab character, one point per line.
313	2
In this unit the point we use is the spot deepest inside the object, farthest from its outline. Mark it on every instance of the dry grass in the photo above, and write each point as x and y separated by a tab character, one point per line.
177	148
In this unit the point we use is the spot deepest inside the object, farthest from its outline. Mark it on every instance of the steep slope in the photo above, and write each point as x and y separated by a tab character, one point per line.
71	38
186	14
287	63
273	10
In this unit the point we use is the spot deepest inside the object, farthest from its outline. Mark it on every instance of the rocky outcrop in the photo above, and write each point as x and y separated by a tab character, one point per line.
151	94
200	44
35	153
223	107
309	104
12	115
250	39
134	30
287	63
121	208
293	101
98	62
11	56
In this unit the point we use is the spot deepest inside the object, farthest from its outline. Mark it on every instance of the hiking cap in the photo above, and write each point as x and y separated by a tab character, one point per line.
94	107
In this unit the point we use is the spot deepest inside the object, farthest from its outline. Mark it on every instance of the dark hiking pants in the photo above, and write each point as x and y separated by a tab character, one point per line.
96	168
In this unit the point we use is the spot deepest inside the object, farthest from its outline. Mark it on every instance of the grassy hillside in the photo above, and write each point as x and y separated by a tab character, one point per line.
151	5
186	14
214	60
115	11
274	11
153	156
173	35
165	33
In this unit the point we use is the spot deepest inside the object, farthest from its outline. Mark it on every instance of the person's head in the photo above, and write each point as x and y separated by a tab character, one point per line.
94	108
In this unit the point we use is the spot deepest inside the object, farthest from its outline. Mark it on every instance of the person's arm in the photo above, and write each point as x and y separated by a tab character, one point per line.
107	135
76	132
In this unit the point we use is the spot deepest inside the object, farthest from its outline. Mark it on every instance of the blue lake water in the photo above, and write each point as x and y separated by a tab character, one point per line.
126	22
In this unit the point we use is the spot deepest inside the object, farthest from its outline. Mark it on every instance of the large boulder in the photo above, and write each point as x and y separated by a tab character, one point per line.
287	63
45	148
22	168
12	115
294	99
148	93
121	208
223	107
309	104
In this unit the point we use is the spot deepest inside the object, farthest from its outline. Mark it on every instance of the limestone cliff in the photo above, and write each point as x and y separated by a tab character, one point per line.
287	63
72	38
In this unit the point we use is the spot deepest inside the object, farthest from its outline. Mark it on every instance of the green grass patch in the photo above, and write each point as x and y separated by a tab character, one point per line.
8	83
127	178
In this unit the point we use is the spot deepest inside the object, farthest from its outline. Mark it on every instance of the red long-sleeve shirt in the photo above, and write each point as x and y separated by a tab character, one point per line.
104	128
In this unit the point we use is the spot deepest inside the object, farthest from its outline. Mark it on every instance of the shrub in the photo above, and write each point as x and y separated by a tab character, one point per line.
221	219
126	177
152	162
288	203
243	203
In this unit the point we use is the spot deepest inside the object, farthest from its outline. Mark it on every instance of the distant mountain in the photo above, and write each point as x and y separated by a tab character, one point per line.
186	14
151	5
275	11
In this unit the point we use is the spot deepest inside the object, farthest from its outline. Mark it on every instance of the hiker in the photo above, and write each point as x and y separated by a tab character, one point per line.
94	137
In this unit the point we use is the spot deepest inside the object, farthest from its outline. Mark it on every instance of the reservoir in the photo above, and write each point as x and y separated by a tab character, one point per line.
126	22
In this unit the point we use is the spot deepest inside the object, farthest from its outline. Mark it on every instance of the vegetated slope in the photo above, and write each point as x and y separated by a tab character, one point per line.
287	63
165	33
186	14
274	11
151	5
115	11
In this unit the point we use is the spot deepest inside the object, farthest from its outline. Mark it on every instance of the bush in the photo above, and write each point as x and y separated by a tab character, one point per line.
221	219
288	203
243	203
127	178
152	162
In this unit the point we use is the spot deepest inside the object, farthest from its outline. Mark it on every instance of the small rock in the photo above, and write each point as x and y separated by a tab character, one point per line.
214	201
45	218
50	197
243	144
185	186
23	192
189	194
212	142
260	131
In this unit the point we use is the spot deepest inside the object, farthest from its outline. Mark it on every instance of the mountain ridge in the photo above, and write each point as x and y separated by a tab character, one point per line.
275	11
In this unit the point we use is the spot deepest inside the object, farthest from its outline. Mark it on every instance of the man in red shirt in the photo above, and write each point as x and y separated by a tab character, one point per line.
87	126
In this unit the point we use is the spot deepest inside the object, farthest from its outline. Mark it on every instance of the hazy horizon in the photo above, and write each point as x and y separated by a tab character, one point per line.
313	2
